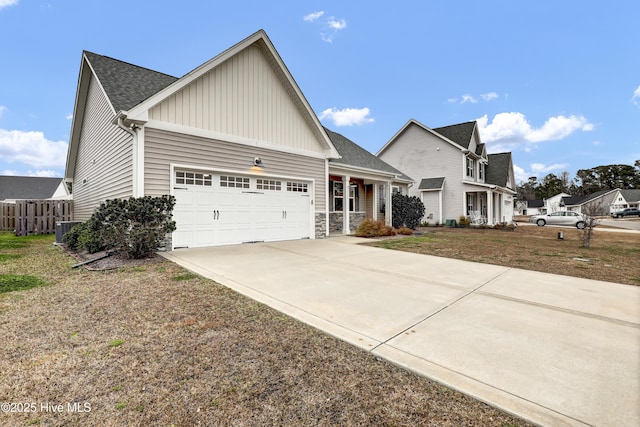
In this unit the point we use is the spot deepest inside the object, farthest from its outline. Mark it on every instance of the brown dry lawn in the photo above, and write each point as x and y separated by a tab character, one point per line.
152	344
612	257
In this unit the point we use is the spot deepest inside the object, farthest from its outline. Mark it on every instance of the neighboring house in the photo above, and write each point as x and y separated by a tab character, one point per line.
622	199
456	175
534	207
14	188
554	203
234	140
596	204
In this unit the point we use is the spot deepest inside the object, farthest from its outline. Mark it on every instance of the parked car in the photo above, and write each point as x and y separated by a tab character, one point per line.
559	218
626	212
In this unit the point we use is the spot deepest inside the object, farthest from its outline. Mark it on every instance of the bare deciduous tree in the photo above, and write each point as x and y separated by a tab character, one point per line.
590	210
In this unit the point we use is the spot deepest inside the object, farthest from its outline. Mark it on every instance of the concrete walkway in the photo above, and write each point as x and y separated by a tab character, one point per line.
552	349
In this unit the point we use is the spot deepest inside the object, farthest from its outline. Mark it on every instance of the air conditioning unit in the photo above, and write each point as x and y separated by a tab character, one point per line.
62	227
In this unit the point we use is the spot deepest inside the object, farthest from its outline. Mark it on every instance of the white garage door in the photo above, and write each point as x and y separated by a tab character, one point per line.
222	209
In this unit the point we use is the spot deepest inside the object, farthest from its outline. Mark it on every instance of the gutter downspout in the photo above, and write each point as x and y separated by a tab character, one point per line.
131	131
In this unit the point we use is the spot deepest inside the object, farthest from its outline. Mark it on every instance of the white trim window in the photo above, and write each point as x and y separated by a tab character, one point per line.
470	167
338	196
481	172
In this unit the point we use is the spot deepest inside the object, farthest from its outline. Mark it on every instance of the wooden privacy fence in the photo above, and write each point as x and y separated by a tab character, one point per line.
7	216
35	216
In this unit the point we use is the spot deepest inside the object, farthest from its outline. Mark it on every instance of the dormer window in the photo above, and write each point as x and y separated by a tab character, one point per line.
481	171
470	164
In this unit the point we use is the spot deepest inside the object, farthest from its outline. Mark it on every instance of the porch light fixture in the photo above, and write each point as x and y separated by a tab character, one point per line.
257	161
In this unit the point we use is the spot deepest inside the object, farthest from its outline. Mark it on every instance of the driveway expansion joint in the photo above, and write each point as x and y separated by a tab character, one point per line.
460	298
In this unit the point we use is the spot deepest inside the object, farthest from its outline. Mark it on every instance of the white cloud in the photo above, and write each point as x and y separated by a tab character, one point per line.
520	174
337	24
331	25
347	116
635	99
489	96
69	116
468	98
3	110
537	168
5	3
471	99
312	16
32	149
41	173
508	130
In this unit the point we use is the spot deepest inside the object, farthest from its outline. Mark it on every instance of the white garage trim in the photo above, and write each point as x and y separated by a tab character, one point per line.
259	190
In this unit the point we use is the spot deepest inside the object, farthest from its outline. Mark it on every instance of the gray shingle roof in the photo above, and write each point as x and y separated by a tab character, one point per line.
535	203
579	200
460	134
27	187
354	155
126	85
431	183
497	170
632	195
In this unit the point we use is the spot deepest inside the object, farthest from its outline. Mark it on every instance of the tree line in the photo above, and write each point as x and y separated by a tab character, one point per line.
586	181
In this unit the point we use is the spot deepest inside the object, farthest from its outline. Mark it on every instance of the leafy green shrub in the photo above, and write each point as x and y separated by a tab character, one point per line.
371	228
407	211
90	238
135	226
72	237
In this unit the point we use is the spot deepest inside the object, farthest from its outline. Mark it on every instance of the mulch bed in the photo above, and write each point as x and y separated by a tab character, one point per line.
105	260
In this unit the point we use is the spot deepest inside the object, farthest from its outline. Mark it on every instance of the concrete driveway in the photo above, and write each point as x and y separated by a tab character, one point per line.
552	349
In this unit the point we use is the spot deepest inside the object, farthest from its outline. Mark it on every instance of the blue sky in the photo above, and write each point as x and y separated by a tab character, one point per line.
557	83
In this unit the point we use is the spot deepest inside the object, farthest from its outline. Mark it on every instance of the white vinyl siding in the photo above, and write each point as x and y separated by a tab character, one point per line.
420	154
245	97
431	201
163	148
104	163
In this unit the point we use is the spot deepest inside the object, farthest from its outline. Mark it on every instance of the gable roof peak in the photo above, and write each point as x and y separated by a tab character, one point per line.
460	133
126	85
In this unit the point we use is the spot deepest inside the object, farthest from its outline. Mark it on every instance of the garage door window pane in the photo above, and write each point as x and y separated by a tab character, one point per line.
193	178
269	184
298	187
234	182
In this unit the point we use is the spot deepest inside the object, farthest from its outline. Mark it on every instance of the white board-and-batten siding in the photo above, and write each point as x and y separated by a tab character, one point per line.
243	96
163	148
104	162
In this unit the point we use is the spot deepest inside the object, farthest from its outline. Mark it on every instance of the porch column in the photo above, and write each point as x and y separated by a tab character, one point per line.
376	200
490	208
346	193
387	207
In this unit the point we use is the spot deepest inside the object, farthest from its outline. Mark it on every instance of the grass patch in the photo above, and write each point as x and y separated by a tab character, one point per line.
195	354
537	248
116	343
17	282
7	257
